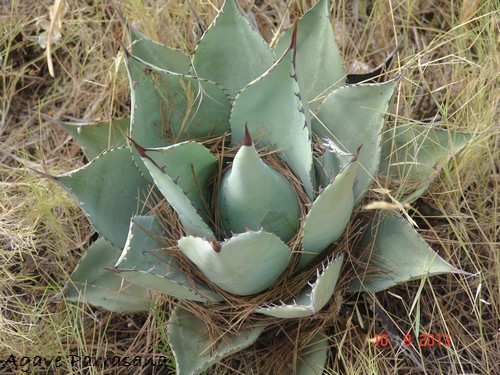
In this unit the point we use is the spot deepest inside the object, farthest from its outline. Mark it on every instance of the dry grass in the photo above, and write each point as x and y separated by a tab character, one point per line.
43	233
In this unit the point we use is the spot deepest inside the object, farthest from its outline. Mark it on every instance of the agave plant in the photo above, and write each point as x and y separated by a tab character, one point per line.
264	154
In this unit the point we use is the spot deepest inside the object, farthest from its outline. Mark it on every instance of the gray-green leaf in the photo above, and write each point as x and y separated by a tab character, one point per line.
91	282
231	52
245	264
329	214
319	61
110	190
272	109
165	178
99	137
169	107
144	263
191	345
411	154
312	298
254	195
394	253
313	356
353	116
159	55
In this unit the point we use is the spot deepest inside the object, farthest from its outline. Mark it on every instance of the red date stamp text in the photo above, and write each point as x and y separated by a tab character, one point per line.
424	339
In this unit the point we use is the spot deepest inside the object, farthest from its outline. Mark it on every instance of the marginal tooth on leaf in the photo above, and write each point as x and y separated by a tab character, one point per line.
333	148
326	142
247	140
215	245
176	179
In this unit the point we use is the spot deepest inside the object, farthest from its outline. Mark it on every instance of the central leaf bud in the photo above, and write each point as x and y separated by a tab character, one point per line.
253	195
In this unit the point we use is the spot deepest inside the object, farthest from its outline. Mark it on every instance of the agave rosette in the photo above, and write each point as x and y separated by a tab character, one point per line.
292	100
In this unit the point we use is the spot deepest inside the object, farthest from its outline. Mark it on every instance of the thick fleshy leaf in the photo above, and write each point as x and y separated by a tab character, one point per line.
159	55
190	165
272	109
329	214
412	153
110	190
93	283
232	52
143	263
319	61
313	356
395	253
191	345
169	107
245	264
353	116
312	298
182	166
254	195
96	138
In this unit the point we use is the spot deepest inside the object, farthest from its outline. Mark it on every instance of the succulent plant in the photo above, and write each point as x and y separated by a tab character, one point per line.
263	155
